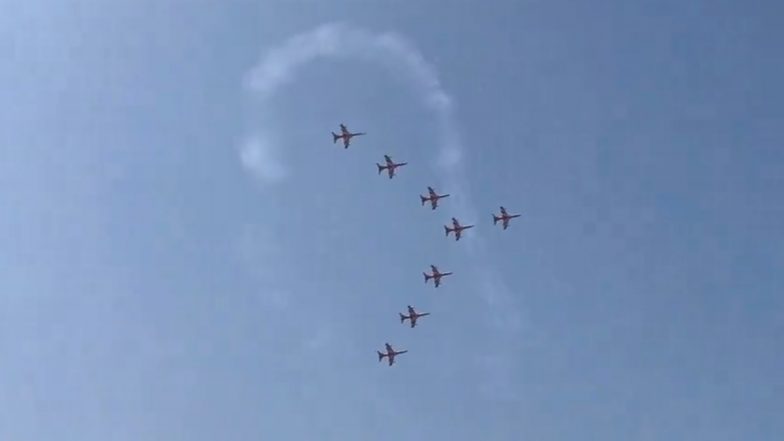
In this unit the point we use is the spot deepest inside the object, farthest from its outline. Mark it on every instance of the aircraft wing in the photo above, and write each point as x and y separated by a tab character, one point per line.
434	203
346	140
389	348
411	311
413	320
391	171
503	211
432	192
343	130
388	160
391	359
458	234
506	222
434	269
455	223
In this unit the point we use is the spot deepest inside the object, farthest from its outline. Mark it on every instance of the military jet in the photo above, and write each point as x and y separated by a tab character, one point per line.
391	354
412	315
436	276
389	167
345	135
504	218
432	197
456	228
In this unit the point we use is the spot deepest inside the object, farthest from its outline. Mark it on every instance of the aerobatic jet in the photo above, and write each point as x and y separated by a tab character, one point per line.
432	197
436	276
391	354
389	167
504	218
412	315
456	228
345	135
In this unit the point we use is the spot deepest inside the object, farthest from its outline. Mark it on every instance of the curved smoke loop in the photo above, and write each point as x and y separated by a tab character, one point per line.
337	41
394	52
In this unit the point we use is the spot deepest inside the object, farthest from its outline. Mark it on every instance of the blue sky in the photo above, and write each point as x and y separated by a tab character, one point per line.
185	255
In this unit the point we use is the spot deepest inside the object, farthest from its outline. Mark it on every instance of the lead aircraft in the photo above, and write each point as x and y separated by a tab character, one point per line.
456	228
391	354
504	218
432	197
390	166
412	315
436	276
345	135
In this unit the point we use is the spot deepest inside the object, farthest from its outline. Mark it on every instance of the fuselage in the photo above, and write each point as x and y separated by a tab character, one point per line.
433	199
391	356
347	136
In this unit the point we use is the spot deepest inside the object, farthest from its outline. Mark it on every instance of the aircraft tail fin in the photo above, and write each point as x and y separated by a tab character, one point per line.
424	199
495	219
402	317
380	167
380	356
446	230
427	277
335	137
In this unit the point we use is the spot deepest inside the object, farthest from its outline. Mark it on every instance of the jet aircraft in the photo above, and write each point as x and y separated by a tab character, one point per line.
391	354
504	218
432	197
412	315
345	135
456	228
436	276
389	167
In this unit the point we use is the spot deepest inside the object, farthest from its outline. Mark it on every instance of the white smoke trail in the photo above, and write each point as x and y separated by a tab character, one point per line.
394	52
337	40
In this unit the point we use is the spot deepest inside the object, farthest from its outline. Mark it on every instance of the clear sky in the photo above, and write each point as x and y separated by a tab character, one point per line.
186	255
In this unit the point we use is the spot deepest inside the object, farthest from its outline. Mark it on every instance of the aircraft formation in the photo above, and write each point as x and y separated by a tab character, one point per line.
456	229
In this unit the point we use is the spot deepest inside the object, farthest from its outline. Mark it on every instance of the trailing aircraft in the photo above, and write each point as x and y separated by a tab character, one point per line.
432	197
390	166
504	218
436	276
345	135
456	228
412	315
391	354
